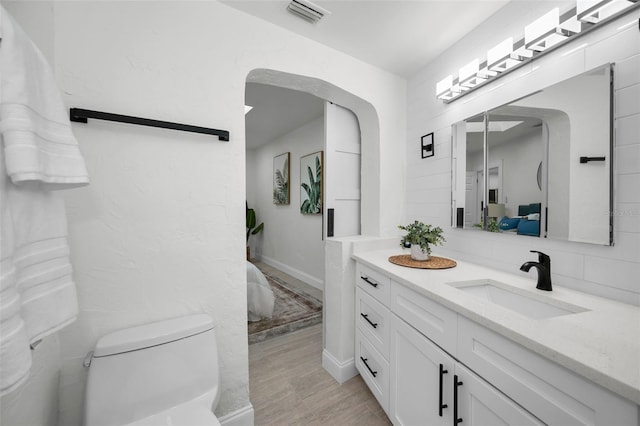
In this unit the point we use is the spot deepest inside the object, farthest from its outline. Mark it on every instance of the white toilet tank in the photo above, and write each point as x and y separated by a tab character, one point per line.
141	371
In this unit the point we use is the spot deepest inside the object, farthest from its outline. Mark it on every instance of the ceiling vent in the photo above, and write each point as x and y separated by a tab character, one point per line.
307	10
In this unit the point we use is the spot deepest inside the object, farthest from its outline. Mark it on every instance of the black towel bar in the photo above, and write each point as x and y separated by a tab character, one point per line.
584	160
79	115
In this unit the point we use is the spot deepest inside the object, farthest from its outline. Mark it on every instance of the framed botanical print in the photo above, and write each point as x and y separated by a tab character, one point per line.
311	181
281	179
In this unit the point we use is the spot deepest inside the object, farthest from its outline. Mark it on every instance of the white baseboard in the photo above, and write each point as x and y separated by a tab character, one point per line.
296	273
241	417
341	371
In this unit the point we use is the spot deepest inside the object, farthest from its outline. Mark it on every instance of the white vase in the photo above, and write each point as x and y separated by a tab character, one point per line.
417	253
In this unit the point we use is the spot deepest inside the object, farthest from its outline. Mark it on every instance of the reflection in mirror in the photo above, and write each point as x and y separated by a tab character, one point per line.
474	176
515	148
548	160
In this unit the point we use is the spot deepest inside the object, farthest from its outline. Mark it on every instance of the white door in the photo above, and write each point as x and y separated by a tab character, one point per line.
421	379
341	172
471	197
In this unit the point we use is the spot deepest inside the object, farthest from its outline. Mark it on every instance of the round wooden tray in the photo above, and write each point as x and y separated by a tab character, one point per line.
434	262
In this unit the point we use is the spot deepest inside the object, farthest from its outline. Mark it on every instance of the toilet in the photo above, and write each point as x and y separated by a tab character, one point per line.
163	373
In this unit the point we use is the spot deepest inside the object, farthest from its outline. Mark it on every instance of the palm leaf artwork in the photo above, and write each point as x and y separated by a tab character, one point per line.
312	196
281	182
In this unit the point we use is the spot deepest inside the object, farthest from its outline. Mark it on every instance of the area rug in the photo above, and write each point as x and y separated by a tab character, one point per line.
293	310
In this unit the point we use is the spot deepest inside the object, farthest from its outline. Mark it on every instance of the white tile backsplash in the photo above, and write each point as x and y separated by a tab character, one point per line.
434	181
429	166
626	72
628	188
614	293
612	273
614	47
627	158
627	101
626	217
627	130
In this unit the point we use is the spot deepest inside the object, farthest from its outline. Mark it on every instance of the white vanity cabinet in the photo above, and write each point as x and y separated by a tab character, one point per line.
556	395
422	349
428	387
372	332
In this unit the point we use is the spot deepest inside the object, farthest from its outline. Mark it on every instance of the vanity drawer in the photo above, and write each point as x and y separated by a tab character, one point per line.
549	391
431	319
374	370
372	319
374	283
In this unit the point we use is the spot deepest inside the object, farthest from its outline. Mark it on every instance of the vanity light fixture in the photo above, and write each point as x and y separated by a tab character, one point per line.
444	88
547	31
469	76
502	57
594	11
540	37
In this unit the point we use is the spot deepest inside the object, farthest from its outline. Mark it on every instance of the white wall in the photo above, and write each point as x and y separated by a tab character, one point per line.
160	230
603	270
290	240
36	402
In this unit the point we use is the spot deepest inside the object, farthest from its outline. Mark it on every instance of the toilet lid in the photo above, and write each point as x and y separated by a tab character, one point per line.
186	414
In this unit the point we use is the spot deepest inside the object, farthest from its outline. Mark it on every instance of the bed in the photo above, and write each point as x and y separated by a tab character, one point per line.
526	223
260	297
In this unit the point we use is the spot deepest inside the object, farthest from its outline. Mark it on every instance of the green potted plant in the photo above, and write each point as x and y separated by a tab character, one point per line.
252	227
421	236
492	225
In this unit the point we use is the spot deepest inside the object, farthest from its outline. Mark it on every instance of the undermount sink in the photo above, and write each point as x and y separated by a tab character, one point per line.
517	300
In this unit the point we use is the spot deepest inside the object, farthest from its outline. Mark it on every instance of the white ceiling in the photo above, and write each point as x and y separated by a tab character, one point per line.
277	111
400	36
475	140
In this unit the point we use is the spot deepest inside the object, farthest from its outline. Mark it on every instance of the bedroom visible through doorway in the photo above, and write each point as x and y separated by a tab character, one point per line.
297	305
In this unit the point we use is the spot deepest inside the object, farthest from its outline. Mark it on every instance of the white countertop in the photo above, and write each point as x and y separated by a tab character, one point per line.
601	344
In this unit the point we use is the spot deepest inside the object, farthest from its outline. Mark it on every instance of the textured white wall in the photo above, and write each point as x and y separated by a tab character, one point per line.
289	239
36	402
602	270
160	230
36	19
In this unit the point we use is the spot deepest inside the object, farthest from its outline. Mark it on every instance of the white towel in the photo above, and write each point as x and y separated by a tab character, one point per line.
38	141
39	153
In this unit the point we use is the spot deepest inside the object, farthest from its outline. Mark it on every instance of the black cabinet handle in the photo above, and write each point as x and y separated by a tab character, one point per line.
366	317
584	160
374	373
456	384
366	279
441	406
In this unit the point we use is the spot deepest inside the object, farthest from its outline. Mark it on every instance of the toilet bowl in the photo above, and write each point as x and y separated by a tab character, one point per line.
160	373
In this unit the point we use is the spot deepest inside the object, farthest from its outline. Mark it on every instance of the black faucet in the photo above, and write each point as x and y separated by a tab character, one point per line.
543	265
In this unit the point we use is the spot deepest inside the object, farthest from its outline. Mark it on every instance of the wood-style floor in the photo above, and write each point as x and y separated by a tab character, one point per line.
288	386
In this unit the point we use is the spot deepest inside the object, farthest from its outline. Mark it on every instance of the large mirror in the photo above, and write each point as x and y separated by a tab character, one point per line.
540	166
